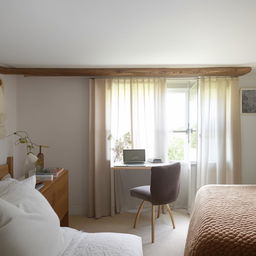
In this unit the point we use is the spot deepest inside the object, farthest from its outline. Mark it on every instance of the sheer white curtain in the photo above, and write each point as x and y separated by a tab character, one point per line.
219	131
137	106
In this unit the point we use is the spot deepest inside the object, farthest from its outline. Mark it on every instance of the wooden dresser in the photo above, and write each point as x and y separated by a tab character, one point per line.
56	192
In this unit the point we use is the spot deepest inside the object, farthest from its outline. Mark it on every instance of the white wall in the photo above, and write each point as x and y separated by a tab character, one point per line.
7	144
248	135
54	111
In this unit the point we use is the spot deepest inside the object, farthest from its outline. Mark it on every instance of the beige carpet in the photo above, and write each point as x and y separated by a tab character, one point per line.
168	241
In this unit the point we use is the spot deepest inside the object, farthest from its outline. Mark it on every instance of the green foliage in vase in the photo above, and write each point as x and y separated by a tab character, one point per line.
123	142
24	139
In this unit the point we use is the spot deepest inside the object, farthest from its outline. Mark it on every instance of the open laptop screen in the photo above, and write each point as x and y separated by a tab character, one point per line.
133	156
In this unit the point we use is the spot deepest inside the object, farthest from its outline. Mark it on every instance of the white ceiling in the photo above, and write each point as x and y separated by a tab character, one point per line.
138	33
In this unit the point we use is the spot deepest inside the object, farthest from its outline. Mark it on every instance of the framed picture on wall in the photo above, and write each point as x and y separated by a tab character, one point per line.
248	101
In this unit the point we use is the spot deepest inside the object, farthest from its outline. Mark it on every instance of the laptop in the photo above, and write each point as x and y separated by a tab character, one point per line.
134	156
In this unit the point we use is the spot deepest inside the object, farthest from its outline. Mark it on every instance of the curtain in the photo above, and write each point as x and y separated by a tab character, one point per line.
136	119
137	108
219	132
2	113
131	112
122	112
99	163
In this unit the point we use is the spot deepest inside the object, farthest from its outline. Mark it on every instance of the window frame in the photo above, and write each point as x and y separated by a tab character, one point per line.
183	87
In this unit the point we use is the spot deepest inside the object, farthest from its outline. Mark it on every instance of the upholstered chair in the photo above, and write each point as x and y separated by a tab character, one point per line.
164	189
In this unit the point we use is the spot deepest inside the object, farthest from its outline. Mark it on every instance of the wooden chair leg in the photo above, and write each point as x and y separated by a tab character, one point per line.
158	211
163	209
171	215
153	224
138	213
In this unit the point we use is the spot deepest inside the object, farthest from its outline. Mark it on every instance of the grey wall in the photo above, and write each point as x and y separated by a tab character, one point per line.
54	111
7	144
248	135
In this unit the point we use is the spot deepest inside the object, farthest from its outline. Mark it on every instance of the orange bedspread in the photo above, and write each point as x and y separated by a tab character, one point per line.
223	222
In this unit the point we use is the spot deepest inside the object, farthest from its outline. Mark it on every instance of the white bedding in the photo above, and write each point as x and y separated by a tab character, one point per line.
98	244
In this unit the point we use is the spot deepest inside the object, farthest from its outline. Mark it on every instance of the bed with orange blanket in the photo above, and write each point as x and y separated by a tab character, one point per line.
223	222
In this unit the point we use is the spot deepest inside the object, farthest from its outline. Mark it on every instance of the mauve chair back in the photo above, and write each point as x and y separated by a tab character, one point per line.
165	183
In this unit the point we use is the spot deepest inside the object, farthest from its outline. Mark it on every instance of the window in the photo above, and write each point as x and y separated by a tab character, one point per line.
138	117
182	119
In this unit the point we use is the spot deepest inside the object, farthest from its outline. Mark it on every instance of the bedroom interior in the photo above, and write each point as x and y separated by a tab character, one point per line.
175	79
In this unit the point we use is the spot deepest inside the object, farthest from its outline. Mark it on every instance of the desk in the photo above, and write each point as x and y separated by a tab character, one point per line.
146	166
117	183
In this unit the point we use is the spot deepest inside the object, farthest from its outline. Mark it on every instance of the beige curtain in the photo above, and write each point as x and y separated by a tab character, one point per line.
219	146
99	164
2	112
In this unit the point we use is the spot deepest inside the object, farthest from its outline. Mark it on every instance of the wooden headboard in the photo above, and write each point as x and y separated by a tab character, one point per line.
7	168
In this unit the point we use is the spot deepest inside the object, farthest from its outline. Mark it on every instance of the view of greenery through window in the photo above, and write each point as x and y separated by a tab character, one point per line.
182	142
177	145
176	148
181	122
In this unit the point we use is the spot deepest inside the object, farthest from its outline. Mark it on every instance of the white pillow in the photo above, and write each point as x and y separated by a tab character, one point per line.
30	181
7	181
28	224
7	176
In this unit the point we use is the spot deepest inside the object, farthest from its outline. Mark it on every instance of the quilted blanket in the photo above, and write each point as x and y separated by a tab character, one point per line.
223	222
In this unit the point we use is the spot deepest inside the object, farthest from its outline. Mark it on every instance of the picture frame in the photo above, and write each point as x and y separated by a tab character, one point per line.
248	101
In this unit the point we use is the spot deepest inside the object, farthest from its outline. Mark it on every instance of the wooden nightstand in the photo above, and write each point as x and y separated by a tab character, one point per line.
56	192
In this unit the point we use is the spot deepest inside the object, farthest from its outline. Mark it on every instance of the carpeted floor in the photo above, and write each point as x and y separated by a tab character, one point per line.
168	241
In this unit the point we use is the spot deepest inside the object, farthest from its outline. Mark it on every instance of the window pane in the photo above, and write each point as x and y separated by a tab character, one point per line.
177	145
193	122
193	146
177	110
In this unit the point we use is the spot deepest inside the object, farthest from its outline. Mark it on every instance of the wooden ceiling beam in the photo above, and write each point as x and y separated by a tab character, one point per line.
128	72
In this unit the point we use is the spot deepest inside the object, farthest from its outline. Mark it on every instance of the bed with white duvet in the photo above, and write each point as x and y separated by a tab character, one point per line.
96	244
30	227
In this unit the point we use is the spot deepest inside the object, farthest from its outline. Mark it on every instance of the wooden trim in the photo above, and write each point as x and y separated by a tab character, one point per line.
128	72
7	168
4	170
10	164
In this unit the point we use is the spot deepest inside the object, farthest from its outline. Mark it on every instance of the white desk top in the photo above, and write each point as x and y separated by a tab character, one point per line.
146	166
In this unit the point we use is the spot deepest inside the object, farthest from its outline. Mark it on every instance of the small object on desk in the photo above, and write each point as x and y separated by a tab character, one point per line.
127	165
155	160
133	156
51	171
40	161
39	185
44	177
